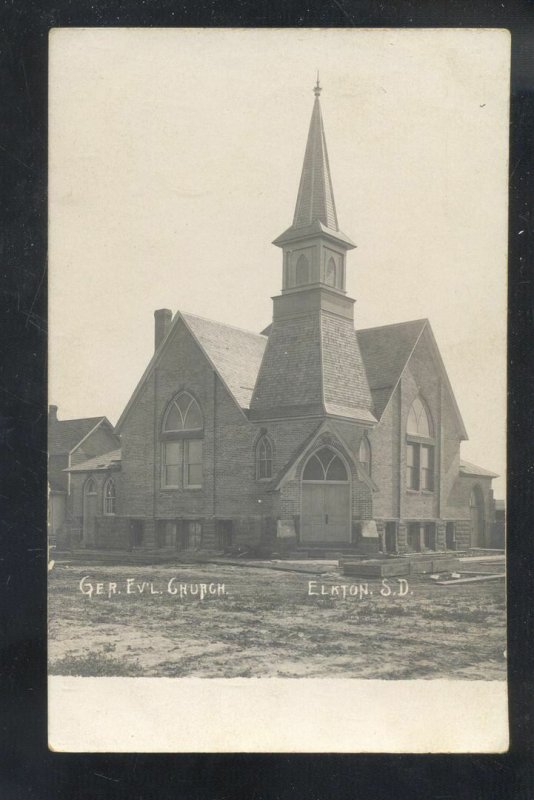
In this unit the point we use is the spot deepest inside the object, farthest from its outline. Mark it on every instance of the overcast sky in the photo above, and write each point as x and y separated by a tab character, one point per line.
175	157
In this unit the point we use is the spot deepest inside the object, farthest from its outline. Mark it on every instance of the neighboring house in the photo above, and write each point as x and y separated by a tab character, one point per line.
309	432
70	442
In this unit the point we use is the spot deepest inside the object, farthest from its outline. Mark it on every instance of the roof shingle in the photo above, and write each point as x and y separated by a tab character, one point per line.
103	462
234	352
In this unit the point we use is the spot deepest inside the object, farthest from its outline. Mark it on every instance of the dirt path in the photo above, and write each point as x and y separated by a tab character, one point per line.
267	624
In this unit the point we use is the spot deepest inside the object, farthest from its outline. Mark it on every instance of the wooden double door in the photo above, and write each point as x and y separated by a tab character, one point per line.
325	512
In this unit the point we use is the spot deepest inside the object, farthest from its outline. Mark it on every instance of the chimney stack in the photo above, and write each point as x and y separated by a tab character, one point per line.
163	320
52	413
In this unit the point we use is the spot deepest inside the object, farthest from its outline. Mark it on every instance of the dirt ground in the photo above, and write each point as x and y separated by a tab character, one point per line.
265	623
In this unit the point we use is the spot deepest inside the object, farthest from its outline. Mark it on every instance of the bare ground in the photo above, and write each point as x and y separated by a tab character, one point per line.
267	625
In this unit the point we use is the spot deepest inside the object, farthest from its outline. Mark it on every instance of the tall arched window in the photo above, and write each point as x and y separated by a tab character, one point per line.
419	448
264	459
419	421
364	454
331	272
302	271
110	497
182	435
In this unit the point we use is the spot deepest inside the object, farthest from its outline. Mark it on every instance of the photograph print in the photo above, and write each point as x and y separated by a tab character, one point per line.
277	376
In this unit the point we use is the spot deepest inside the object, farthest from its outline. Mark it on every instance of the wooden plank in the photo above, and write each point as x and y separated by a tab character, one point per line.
478	579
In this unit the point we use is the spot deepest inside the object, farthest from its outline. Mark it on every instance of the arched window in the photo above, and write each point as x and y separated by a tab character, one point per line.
183	414
182	434
325	465
90	487
264	459
302	271
331	272
419	453
110	496
364	454
419	422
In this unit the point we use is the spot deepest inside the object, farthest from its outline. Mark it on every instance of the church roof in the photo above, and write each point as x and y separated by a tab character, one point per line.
385	351
64	435
235	353
99	463
466	468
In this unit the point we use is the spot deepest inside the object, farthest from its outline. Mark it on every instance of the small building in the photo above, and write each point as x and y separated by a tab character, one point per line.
311	434
71	442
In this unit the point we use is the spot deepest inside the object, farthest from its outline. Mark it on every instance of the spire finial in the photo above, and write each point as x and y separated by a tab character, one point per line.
317	88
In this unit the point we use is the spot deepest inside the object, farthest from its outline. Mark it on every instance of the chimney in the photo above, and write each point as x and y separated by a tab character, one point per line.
52	413
163	320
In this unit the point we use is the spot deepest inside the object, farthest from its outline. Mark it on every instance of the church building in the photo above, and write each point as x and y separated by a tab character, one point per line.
309	436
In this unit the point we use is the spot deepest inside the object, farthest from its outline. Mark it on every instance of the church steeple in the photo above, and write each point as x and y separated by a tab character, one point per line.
314	234
315	199
312	365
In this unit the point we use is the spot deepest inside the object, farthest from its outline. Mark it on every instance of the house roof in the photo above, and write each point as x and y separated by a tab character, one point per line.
466	468
111	460
385	351
64	435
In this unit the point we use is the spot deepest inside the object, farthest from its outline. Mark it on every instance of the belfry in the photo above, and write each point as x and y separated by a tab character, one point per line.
312	364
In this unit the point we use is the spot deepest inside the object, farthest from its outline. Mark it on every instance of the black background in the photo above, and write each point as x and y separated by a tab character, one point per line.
27	768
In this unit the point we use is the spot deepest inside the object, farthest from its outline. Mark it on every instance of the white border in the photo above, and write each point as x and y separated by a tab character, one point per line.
276	715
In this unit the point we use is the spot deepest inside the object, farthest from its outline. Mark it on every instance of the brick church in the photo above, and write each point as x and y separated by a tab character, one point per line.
308	435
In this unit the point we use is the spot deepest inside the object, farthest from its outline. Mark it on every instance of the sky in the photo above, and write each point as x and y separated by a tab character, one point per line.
174	161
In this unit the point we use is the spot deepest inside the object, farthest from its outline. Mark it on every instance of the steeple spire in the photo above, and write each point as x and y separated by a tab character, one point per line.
315	200
315	210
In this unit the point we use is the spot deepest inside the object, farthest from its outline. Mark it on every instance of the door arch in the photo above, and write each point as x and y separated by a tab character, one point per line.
90	498
476	515
325	498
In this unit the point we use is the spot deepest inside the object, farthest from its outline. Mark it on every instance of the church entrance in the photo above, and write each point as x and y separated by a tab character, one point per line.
476	513
325	511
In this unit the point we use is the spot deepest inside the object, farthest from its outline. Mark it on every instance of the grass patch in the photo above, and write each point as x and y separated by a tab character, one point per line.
95	665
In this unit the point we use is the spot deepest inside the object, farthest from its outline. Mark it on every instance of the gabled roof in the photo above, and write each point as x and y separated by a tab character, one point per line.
235	355
64	435
306	447
111	460
385	351
466	468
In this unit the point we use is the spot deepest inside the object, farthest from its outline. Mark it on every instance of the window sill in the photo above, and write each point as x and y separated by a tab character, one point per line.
181	488
424	492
